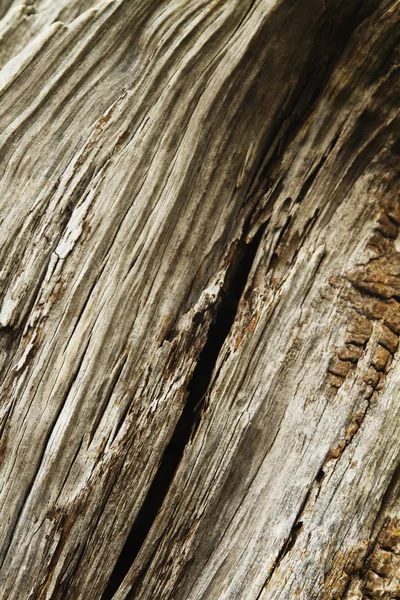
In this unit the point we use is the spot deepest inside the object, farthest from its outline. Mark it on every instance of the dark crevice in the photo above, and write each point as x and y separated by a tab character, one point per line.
320	475
332	37
330	43
305	188
235	283
102	403
290	541
391	493
283	232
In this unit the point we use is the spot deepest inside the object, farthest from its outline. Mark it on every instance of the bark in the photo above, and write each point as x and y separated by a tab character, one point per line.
199	300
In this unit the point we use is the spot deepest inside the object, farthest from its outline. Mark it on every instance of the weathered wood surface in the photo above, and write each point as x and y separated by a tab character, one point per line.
21	21
156	157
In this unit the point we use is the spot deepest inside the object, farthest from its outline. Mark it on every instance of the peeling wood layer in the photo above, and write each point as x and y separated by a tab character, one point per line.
199	300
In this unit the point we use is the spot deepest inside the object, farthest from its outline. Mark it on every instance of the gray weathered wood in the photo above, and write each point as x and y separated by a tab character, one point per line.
147	149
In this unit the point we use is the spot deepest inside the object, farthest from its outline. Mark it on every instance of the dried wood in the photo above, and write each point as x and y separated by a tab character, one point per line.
199	300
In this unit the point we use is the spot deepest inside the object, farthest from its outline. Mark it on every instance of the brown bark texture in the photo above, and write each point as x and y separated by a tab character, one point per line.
199	300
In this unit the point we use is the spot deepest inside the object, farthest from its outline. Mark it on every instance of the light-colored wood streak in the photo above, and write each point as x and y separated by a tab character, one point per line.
143	146
22	20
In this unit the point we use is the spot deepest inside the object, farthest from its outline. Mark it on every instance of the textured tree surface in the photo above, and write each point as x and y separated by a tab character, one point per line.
199	300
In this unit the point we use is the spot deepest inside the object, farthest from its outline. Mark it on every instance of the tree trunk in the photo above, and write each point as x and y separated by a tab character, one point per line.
199	300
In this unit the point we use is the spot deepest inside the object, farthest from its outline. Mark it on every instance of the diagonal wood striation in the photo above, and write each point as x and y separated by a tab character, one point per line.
143	145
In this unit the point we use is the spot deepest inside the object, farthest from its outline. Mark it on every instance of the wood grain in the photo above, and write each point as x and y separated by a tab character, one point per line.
156	157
